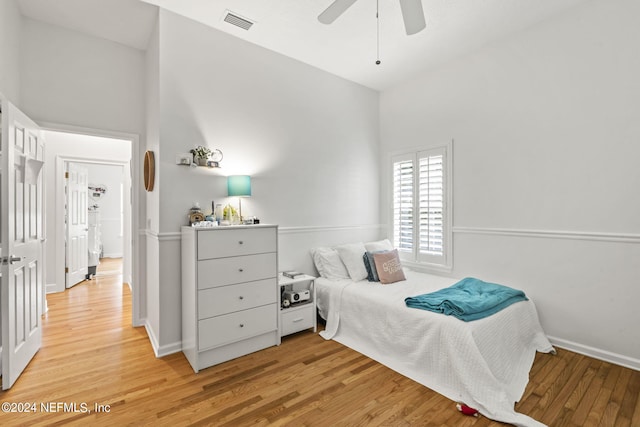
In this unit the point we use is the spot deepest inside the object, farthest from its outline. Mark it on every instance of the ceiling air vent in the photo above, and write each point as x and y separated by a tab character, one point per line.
238	21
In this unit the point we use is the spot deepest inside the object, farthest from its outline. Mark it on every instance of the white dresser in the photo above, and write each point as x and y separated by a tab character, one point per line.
230	292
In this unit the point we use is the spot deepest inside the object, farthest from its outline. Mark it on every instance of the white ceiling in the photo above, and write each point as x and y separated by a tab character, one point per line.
346	48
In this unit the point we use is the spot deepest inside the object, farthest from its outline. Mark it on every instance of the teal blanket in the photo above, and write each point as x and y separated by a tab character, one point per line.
469	299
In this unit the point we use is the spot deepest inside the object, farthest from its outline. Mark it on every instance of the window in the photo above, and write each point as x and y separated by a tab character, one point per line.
421	217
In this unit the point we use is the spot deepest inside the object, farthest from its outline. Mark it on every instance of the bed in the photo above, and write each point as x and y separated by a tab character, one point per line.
484	363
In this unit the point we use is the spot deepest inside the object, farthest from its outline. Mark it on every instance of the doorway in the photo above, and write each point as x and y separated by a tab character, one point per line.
90	148
94	217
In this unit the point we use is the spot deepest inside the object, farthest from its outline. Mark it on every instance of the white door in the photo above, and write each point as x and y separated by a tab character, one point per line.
77	220
21	232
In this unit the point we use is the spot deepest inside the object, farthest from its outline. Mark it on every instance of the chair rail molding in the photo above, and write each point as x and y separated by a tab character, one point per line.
325	228
552	234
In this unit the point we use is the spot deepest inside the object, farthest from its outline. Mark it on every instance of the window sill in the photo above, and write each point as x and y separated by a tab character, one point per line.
425	267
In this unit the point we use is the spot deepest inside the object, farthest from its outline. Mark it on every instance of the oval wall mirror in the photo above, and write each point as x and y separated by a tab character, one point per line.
149	170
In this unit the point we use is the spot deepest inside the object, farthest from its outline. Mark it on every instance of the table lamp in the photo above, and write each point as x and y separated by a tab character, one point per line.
239	186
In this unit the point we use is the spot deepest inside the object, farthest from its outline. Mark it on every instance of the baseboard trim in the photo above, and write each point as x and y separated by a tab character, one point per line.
166	350
152	338
596	353
112	255
161	351
552	234
50	288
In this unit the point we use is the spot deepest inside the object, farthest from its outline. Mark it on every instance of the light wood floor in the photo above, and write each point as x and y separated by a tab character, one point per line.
92	356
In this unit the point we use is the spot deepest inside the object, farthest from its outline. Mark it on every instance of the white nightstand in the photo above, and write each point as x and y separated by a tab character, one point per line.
301	315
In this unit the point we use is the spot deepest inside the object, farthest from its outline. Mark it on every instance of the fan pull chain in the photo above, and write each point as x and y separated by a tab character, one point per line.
378	32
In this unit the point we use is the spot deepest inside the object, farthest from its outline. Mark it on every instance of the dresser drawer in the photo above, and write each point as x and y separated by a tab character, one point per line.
227	299
233	242
297	319
237	326
227	271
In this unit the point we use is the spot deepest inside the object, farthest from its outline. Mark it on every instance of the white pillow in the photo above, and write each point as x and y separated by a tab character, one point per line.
329	264
380	245
352	256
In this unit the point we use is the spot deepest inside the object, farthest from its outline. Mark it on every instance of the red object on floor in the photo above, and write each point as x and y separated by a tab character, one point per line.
466	409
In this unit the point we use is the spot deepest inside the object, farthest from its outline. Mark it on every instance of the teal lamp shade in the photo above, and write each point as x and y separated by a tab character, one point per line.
239	185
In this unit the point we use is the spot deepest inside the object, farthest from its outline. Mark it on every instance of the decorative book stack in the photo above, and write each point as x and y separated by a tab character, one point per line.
292	274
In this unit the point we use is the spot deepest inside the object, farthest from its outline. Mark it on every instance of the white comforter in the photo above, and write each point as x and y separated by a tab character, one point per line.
484	363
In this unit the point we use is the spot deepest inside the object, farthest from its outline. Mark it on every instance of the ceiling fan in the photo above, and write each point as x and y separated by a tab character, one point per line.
412	14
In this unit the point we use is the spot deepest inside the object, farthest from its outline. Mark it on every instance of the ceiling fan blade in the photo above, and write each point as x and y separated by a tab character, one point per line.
334	10
413	16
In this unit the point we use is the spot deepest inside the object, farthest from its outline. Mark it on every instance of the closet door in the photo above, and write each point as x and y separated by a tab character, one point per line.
77	248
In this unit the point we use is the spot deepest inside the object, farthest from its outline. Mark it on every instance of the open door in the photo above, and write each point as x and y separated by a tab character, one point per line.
21	233
77	252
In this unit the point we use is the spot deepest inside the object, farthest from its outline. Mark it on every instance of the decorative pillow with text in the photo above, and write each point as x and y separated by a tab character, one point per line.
389	267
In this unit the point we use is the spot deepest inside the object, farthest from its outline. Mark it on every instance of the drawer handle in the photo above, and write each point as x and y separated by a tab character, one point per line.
242	325
241	297
240	242
241	270
299	319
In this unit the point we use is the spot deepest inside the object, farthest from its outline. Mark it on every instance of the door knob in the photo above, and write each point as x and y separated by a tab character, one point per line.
11	259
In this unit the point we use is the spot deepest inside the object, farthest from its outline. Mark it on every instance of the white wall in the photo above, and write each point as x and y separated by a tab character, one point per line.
82	148
10	26
84	82
110	177
74	79
308	139
301	133
545	168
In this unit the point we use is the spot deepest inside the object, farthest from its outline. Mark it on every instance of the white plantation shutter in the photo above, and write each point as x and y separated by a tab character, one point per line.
420	217
403	196
431	205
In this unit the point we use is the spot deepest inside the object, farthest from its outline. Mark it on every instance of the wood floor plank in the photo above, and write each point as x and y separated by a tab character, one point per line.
635	418
90	354
586	393
629	405
564	386
557	369
618	394
597	411
426	406
588	403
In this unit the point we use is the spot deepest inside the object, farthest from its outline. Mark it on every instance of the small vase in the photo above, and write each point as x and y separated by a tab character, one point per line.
202	162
